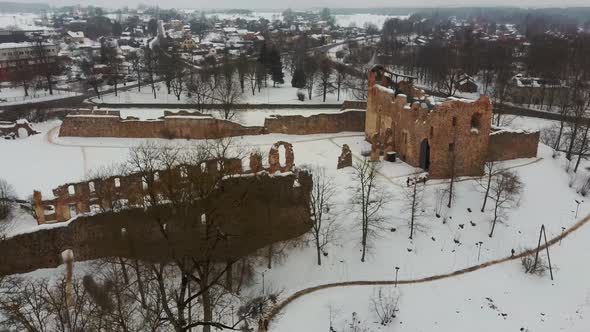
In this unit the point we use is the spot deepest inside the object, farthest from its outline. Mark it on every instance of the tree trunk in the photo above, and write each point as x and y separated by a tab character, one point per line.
317	246
485	198
495	219
207	306
582	147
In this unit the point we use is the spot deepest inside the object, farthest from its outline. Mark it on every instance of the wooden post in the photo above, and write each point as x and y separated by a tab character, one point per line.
548	258
538	246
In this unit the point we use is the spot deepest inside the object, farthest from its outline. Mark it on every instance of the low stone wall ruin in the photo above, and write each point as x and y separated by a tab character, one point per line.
188	125
512	144
11	129
251	212
192	125
325	123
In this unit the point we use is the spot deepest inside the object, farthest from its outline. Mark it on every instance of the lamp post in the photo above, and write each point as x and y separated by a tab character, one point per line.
396	272
263	282
561	237
478	244
578	206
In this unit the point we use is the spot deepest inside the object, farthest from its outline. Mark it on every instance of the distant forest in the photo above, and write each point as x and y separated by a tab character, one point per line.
499	14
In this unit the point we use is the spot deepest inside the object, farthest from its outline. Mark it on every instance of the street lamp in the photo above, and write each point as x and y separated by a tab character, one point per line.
578	206
478	244
396	272
561	237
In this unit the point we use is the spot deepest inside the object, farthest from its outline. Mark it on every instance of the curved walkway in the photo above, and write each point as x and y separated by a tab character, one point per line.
299	294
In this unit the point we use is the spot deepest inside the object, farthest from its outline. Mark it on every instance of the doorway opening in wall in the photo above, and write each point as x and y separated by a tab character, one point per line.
425	155
73	210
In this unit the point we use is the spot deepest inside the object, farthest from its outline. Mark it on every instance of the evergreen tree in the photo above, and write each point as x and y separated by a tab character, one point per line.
276	66
298	81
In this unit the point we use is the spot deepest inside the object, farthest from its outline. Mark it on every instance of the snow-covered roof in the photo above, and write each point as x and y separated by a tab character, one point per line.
76	34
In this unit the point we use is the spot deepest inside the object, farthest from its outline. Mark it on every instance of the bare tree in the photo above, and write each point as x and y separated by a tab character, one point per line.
178	73
486	181
150	67
358	85
323	225
414	204
7	196
385	305
199	88
340	78
368	197
227	95
310	67
48	66
505	191
250	72
325	78
135	60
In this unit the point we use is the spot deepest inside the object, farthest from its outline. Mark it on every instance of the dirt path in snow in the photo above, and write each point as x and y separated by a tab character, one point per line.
299	294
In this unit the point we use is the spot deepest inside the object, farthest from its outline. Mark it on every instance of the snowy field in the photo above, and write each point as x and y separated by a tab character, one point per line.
499	298
248	117
23	21
16	95
358	20
282	94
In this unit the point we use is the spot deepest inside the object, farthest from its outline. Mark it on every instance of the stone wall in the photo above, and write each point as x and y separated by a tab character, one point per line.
354	105
452	134
192	125
11	129
249	212
510	144
189	125
316	124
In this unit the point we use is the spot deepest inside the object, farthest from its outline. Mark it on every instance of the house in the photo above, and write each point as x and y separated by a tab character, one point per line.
13	54
74	37
534	90
467	84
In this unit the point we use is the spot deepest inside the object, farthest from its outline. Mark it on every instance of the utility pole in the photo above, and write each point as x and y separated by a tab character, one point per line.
396	272
542	233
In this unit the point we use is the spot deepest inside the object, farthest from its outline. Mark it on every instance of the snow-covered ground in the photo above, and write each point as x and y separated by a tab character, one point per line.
247	117
455	304
16	95
359	20
282	94
23	21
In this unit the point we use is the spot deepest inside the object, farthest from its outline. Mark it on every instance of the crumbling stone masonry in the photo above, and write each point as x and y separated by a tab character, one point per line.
194	125
274	160
13	129
442	138
117	192
345	159
325	123
183	124
252	210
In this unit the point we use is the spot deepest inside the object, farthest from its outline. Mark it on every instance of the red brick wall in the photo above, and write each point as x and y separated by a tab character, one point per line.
316	124
402	127
506	145
111	125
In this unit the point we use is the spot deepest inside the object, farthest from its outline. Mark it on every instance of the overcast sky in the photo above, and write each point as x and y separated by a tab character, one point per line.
282	4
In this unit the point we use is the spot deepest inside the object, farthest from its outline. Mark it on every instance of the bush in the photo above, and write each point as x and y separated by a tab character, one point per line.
300	95
385	305
528	264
